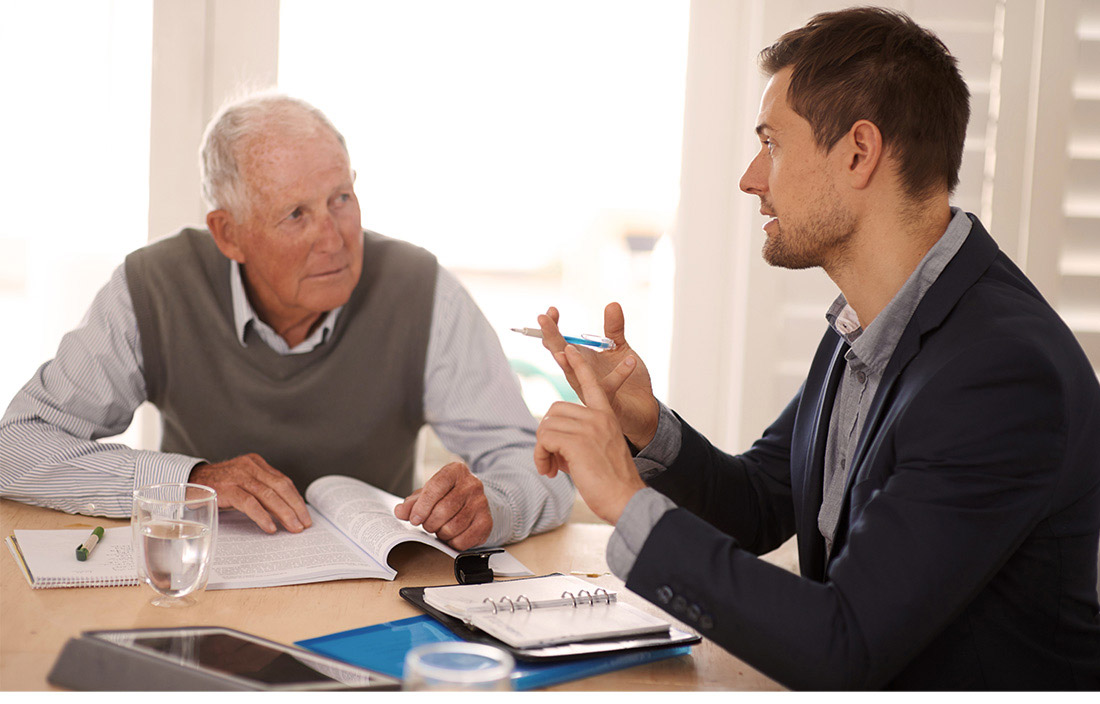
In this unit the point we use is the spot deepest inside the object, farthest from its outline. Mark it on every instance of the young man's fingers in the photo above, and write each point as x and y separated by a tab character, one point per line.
618	376
614	323
551	337
594	396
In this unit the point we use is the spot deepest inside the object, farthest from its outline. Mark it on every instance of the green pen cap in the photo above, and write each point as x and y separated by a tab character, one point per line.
83	550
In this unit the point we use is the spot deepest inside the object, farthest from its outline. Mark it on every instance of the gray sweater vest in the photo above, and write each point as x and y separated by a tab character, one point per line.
351	406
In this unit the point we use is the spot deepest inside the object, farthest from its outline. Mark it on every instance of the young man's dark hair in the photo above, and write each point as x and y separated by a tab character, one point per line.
874	64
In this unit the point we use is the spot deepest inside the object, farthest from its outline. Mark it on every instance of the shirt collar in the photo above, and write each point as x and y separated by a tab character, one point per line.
874	345
244	315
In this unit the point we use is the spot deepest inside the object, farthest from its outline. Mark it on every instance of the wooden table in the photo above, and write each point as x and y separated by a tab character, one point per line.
35	623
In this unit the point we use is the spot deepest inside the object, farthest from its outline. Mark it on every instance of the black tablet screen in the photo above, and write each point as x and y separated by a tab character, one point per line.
235	656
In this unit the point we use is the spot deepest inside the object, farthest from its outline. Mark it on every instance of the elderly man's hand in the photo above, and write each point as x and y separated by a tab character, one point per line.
250	485
452	505
586	442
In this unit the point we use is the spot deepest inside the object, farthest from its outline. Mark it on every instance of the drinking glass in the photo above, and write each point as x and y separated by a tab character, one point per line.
174	529
458	666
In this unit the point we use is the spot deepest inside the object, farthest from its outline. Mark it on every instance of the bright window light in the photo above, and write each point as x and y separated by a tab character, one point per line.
534	147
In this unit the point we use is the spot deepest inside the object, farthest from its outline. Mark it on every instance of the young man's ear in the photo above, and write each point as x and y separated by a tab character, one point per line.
865	142
225	231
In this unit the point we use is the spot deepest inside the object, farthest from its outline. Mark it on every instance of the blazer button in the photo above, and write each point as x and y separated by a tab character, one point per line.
664	594
679	604
694	612
706	622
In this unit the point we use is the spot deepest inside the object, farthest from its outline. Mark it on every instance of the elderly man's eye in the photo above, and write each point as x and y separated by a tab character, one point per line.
295	215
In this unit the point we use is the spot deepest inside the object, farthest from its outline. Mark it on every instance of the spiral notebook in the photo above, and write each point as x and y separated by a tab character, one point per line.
543	611
47	558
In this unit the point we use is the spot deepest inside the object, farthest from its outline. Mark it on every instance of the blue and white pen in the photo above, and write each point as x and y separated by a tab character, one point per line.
596	341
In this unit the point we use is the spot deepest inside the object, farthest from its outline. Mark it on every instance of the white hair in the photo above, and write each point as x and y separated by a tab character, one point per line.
246	118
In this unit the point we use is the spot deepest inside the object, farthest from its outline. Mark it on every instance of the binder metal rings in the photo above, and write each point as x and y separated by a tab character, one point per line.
522	600
593	597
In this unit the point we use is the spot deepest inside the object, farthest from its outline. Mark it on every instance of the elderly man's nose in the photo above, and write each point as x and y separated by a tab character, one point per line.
328	235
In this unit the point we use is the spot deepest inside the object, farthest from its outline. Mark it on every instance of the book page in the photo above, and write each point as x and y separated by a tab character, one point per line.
245	556
364	513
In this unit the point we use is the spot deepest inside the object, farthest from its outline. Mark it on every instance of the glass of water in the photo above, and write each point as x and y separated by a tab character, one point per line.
174	529
453	666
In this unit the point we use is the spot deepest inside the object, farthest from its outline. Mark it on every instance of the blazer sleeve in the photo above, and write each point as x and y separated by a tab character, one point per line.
970	456
747	496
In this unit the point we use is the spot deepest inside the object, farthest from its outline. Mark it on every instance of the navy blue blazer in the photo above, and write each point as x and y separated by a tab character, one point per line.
966	554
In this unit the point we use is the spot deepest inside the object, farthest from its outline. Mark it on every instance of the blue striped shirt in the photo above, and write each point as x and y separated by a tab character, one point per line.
49	454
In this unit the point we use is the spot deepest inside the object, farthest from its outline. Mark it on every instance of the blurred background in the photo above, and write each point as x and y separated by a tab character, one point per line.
565	152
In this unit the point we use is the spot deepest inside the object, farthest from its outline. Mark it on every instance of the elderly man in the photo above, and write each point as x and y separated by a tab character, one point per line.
939	464
285	344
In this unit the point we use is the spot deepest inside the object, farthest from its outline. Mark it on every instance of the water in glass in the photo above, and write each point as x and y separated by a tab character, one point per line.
174	526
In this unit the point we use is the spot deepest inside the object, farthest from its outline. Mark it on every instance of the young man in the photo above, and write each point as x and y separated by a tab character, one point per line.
941	463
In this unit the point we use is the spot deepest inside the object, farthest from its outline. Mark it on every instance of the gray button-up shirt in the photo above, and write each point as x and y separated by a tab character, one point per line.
871	349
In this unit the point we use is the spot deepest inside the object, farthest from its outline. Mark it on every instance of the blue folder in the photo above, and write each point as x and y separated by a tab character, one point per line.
382	648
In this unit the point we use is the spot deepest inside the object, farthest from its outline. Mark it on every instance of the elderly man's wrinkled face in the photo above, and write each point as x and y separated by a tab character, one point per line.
300	241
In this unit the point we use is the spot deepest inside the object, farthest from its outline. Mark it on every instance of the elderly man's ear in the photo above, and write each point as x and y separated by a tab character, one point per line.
225	230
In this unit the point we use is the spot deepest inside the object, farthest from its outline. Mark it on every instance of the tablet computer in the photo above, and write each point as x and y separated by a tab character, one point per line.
201	658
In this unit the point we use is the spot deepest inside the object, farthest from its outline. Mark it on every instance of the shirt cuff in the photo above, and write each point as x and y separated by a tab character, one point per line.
665	446
642	512
503	513
162	468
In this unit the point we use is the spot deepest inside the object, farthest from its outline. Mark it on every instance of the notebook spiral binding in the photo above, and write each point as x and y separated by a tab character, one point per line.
576	599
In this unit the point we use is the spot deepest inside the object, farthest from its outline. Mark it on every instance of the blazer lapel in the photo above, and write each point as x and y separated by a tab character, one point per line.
972	260
809	452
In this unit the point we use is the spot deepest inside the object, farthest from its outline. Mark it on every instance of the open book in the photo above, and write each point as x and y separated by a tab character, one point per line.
541	611
353	532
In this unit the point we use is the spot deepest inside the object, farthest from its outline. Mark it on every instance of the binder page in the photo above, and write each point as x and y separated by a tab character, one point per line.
567	624
461	601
